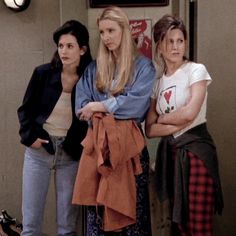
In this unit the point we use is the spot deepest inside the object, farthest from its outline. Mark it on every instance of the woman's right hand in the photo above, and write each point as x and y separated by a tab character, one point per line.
38	143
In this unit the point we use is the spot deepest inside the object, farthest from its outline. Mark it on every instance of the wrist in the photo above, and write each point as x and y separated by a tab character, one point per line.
93	106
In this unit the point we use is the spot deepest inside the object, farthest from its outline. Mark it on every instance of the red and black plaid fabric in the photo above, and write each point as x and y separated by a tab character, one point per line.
201	200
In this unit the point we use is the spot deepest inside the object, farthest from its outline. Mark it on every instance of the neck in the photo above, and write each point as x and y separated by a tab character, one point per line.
68	79
172	67
116	54
69	70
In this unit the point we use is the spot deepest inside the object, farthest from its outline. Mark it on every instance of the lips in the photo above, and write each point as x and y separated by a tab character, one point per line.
176	54
108	44
65	58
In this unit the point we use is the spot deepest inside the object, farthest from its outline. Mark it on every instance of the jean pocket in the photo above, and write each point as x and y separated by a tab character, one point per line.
49	147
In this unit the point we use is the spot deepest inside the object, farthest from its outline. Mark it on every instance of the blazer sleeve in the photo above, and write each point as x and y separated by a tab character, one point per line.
27	111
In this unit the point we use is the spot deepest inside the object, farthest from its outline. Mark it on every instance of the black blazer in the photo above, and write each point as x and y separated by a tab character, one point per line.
42	94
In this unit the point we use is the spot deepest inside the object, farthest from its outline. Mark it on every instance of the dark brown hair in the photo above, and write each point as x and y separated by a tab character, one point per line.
80	32
166	23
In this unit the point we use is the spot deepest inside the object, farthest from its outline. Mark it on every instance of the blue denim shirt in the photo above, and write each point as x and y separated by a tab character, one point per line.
133	103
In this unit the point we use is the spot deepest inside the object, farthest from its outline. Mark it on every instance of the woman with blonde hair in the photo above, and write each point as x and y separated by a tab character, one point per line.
117	84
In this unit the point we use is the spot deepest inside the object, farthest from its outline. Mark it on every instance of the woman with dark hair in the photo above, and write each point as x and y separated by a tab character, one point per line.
186	164
51	131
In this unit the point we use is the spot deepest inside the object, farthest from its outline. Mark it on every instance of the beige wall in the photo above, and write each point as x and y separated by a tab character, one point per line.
26	41
217	50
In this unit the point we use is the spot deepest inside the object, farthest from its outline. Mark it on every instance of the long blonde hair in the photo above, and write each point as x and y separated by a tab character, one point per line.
106	63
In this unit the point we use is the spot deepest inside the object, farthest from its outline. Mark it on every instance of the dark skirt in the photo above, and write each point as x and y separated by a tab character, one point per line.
143	221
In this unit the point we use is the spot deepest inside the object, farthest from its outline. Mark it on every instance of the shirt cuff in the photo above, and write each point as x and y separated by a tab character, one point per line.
110	104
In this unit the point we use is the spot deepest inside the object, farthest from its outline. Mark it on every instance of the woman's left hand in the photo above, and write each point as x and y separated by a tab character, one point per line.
87	111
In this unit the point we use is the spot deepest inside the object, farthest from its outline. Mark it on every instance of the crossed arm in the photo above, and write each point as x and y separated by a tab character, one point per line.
167	124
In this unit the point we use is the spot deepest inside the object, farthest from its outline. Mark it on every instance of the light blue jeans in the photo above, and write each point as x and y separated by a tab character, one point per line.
37	170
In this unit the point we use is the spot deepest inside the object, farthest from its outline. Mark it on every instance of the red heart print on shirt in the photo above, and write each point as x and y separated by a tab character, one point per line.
167	96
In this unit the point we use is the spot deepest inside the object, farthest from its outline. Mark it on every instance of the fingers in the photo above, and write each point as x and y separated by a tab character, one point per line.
85	113
43	140
38	143
80	114
83	117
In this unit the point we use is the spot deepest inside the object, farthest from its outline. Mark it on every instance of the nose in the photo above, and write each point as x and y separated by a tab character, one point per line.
63	49
105	37
175	45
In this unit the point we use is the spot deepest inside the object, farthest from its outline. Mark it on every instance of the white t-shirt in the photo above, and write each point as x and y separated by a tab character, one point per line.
173	92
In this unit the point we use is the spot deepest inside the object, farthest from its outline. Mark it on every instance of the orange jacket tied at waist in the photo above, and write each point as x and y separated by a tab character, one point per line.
107	169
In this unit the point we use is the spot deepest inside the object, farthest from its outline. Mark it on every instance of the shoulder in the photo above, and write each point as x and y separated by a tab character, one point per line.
197	72
45	69
144	64
91	68
141	60
46	72
92	64
89	74
193	66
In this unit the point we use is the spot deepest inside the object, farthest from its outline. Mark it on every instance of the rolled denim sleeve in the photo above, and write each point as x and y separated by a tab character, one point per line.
111	104
134	102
